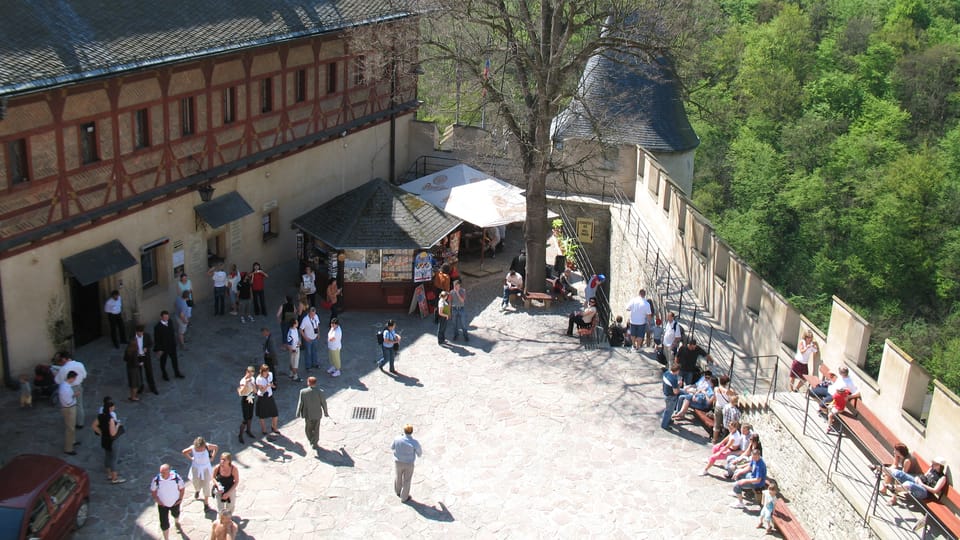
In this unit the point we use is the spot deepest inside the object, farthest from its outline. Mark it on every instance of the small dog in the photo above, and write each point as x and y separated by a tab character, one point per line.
26	393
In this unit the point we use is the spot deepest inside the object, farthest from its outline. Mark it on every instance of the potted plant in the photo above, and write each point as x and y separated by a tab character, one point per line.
570	247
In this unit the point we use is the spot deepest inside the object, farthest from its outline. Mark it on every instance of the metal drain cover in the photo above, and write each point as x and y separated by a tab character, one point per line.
364	413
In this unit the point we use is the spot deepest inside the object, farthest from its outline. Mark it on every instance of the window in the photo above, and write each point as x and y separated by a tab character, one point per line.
609	157
141	129
332	78
61	490
229	105
269	222
39	517
187	125
359	68
216	249
17	159
300	84
148	269
266	95
88	143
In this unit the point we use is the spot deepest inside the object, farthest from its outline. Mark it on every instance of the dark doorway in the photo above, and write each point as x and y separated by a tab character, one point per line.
85	303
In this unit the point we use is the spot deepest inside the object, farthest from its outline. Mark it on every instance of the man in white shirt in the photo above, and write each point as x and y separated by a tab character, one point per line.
671	337
640	311
114	309
309	332
292	345
69	364
68	407
219	288
167	490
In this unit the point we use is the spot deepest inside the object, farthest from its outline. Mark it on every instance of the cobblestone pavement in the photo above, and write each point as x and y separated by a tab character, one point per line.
525	433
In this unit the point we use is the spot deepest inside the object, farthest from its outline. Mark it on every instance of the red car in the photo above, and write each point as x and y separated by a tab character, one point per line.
42	497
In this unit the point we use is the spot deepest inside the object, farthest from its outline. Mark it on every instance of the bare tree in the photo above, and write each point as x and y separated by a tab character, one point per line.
527	57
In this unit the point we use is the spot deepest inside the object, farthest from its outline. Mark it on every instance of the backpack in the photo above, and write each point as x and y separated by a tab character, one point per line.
380	337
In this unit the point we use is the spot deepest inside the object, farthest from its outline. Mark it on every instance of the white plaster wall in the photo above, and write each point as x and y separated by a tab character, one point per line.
297	183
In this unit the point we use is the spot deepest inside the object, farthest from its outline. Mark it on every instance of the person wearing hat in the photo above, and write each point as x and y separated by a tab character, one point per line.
592	286
406	450
930	484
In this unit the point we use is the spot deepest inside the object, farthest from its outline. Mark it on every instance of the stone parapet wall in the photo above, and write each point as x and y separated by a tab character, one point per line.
762	321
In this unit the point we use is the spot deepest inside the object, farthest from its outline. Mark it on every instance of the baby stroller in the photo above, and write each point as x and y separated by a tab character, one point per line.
43	383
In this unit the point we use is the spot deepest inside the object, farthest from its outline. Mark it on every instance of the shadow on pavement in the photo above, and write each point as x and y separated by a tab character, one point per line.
337	458
434	513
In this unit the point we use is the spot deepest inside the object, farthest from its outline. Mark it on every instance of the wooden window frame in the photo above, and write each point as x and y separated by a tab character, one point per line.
332	77
18	162
300	86
188	116
141	129
89	144
229	105
266	95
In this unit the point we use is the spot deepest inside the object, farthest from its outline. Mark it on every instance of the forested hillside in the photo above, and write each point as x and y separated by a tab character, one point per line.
830	159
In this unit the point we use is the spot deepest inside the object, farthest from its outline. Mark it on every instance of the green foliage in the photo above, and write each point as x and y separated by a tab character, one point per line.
830	160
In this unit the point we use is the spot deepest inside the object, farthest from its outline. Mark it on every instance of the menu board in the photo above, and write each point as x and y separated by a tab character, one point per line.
396	266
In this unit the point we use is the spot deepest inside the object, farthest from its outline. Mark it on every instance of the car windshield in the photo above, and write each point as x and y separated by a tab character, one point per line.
11	519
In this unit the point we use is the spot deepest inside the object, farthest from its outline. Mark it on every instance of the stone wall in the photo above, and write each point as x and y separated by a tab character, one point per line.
762	321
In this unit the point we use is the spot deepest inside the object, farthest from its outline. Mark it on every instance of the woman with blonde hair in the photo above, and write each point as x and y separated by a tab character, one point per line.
201	471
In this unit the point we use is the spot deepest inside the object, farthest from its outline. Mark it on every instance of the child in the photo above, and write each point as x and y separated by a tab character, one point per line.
26	393
658	334
769	501
837	406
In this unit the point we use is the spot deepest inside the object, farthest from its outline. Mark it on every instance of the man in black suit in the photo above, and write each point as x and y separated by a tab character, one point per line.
143	344
165	338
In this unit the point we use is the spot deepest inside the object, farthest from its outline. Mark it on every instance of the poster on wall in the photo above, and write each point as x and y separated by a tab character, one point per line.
422	267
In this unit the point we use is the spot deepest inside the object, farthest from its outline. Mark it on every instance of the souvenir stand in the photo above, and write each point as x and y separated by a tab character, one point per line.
379	240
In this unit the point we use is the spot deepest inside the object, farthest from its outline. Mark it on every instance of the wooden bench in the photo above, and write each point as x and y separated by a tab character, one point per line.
588	334
542	297
788	524
944	508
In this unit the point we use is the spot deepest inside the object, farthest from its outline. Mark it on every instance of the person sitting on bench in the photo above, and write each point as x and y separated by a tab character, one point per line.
512	285
699	396
930	484
755	479
583	318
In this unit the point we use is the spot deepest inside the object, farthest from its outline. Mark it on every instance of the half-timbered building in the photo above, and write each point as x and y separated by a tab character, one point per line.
157	137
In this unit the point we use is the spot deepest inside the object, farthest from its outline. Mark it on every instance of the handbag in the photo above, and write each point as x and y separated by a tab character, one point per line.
121	429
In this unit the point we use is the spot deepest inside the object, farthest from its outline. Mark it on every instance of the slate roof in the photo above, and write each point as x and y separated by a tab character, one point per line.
377	215
46	43
629	102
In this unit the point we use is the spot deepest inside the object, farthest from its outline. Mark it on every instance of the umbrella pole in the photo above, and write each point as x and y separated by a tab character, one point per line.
483	247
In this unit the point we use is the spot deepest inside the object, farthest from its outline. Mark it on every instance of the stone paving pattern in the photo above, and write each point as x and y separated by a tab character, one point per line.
525	435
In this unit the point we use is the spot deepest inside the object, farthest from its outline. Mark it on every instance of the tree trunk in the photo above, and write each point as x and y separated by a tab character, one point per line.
535	237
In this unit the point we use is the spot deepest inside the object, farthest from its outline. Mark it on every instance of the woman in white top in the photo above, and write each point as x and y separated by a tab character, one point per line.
800	367
308	285
266	406
736	441
201	470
